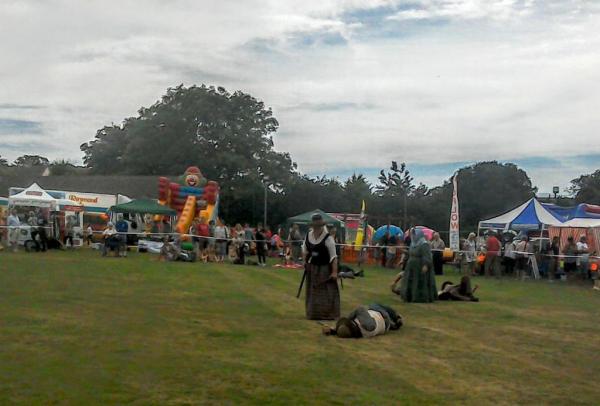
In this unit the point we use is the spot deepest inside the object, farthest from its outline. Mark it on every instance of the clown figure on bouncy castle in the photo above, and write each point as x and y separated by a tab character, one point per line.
195	199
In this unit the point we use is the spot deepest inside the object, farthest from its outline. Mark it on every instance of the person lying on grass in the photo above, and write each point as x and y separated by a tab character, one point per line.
366	321
460	292
173	251
170	250
346	272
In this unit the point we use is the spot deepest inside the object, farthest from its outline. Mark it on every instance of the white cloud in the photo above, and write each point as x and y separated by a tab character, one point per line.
465	9
439	81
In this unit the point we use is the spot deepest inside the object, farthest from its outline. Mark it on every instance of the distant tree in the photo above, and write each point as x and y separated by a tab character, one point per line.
3	162
586	188
419	205
396	182
485	189
105	154
393	191
356	189
61	167
29	161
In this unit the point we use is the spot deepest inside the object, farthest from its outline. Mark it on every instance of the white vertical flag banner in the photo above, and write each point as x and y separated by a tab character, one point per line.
454	219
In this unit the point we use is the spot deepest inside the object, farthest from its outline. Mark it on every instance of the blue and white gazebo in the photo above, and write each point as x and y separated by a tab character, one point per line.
531	215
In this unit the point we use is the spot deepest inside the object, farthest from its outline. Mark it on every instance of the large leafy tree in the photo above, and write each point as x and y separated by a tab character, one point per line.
228	135
28	161
586	188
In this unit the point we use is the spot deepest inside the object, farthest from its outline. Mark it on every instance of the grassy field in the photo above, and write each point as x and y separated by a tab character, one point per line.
76	328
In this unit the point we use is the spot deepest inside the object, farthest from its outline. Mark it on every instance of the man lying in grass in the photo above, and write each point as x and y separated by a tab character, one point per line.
460	292
366	321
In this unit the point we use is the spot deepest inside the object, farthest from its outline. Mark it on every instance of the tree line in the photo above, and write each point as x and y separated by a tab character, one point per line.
230	137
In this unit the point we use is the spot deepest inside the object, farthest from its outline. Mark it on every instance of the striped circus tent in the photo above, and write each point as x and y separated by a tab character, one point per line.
576	228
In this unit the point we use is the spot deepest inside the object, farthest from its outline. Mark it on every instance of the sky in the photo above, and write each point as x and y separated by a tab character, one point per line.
438	84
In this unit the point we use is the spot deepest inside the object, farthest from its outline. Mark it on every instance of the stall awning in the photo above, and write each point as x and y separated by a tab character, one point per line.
305	218
143	206
530	215
580	223
33	196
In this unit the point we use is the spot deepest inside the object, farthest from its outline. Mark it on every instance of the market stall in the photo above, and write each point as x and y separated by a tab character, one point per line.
33	196
531	215
135	211
576	228
303	220
34	201
143	206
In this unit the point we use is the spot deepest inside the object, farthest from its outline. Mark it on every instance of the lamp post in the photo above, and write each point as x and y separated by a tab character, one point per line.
405	213
265	184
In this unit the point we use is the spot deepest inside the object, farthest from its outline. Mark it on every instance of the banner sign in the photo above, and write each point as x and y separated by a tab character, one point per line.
92	199
454	219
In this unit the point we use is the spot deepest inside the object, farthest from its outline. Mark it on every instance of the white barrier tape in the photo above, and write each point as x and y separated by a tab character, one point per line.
404	249
25	227
229	239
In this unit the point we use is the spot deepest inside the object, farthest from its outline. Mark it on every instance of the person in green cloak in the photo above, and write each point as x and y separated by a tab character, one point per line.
418	282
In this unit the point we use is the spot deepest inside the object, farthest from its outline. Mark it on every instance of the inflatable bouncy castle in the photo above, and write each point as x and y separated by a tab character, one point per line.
193	196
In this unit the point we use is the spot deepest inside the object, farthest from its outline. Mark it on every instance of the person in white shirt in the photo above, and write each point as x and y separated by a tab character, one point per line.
14	225
366	321
32	219
89	234
583	250
322	301
523	251
110	241
221	237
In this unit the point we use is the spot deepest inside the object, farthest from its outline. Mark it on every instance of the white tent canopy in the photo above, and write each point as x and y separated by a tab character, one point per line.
581	223
123	199
530	215
33	196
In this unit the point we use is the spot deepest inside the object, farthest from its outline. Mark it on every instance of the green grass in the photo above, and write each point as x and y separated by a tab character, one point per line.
76	328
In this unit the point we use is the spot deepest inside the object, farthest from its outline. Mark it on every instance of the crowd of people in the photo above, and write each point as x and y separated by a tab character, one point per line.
35	221
520	257
496	255
499	255
239	244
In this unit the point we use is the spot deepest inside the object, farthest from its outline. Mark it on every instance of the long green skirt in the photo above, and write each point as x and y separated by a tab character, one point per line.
418	286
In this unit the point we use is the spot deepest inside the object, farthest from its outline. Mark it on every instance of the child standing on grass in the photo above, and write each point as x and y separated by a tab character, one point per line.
89	235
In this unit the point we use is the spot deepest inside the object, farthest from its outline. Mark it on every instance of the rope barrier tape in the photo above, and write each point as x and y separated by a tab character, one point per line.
230	239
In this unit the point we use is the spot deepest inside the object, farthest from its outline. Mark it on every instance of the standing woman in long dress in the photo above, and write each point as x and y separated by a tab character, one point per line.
322	294
418	283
